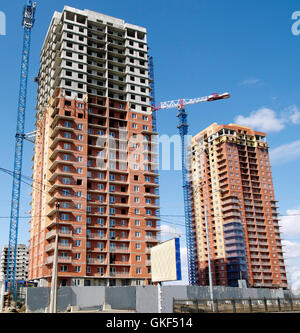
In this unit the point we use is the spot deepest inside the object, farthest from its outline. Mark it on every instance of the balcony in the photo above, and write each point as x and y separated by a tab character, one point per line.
119	249
64	246
50	234
49	260
119	274
151	239
94	261
64	259
96	236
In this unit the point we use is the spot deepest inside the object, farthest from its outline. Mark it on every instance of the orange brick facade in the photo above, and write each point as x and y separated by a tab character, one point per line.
95	155
231	176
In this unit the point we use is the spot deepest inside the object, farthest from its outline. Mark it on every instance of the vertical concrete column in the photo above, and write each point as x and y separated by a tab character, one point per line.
2	290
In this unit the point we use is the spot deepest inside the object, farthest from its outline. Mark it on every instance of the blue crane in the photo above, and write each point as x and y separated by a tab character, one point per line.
186	184
27	24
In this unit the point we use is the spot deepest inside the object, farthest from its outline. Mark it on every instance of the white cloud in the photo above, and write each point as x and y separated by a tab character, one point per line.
250	82
285	153
291	114
291	224
292	262
290	228
169	232
292	249
267	120
295	281
263	119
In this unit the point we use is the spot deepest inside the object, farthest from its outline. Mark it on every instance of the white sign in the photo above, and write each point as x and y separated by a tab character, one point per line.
165	261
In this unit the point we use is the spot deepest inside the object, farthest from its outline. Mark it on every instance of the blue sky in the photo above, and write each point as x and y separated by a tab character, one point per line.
199	47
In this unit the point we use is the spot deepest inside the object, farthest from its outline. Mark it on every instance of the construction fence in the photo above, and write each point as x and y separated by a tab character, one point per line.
236	305
144	299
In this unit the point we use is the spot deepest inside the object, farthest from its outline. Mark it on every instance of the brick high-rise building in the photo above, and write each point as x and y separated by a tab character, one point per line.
94	154
231	177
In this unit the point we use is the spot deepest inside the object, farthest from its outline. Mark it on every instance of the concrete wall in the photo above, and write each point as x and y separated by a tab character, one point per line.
121	297
143	299
147	299
37	299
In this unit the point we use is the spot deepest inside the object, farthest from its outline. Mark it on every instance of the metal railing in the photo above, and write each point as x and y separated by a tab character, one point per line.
245	305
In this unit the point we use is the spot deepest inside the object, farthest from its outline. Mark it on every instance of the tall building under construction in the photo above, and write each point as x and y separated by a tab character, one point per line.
232	191
94	154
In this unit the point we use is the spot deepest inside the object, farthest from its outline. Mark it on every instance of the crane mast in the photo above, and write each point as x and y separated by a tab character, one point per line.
27	24
186	184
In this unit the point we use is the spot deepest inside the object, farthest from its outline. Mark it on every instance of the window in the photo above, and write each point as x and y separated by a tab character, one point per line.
100	210
77	242
100	270
77	269
65	217
65	205
66	181
65	193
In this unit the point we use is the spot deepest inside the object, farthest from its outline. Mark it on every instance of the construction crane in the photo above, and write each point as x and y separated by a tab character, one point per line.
183	131
27	24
